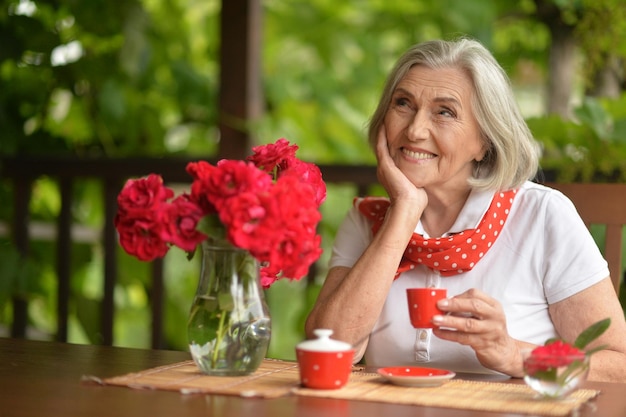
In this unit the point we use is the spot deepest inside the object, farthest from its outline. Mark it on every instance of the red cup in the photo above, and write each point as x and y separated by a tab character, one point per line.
324	363
423	305
324	370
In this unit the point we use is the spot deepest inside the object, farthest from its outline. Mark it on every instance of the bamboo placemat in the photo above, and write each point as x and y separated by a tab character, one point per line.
276	378
458	394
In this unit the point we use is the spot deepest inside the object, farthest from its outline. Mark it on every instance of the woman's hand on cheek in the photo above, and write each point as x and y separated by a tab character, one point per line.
477	320
397	185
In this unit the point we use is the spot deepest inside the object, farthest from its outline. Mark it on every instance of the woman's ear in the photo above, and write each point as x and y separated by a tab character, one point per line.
484	150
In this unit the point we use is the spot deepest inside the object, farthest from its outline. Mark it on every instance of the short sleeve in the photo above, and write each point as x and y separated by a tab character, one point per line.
572	259
353	237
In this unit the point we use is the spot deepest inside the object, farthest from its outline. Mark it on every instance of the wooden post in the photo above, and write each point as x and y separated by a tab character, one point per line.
64	257
240	95
21	217
107	319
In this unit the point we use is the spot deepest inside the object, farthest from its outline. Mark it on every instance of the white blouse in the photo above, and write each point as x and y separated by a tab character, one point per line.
543	255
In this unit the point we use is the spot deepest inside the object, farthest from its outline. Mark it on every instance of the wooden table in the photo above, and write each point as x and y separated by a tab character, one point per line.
44	379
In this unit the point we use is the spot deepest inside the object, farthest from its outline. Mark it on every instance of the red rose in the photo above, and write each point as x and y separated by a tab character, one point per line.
552	356
232	178
143	194
242	215
309	175
201	173
142	238
271	156
294	242
179	220
136	220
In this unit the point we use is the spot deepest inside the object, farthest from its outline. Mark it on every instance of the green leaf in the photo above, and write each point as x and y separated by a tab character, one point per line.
592	333
547	375
551	340
595	116
191	254
596	349
226	301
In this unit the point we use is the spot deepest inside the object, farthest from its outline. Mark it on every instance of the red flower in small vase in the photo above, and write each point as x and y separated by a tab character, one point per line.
552	356
558	368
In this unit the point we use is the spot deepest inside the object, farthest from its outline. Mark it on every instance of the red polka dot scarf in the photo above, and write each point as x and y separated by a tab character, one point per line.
449	255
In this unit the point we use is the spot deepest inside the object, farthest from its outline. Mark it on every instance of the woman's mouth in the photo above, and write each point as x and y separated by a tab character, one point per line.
418	155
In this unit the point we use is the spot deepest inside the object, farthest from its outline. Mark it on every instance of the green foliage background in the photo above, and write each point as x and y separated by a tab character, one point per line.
145	83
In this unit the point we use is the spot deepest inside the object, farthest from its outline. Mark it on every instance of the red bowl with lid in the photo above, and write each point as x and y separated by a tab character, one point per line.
324	363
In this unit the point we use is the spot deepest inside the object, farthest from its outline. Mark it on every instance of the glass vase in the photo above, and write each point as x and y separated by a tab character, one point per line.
229	323
555	376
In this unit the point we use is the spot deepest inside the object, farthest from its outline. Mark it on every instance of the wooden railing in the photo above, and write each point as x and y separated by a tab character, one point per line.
112	173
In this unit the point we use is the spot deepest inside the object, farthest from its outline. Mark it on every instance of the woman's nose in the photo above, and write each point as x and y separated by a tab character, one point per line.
419	127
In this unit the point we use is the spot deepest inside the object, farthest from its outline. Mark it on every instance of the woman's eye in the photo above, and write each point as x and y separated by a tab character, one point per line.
401	101
446	112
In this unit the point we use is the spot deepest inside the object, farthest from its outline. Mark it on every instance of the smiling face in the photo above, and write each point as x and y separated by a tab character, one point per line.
432	133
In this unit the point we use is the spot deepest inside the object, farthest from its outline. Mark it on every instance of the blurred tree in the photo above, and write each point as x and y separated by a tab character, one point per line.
590	28
560	18
601	32
108	78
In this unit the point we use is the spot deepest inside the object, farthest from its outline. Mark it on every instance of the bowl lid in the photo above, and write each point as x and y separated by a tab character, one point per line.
324	343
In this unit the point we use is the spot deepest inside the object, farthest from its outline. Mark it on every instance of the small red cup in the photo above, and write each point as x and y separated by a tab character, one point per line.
423	305
324	363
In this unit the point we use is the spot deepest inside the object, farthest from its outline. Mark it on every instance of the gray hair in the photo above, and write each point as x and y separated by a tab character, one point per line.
512	155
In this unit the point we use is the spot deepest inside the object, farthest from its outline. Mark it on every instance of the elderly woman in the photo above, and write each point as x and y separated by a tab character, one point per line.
456	158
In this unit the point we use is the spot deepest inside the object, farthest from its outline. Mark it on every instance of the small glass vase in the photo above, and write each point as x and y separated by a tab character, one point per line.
229	324
555	377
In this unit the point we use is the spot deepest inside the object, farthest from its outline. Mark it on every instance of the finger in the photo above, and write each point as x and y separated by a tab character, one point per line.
470	303
386	167
464	338
463	324
476	293
465	307
382	150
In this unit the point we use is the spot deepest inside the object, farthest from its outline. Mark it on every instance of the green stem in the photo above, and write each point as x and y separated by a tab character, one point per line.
575	369
220	337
